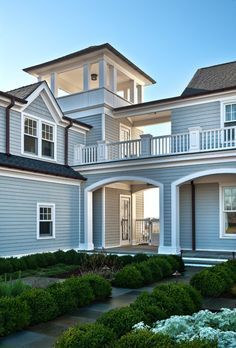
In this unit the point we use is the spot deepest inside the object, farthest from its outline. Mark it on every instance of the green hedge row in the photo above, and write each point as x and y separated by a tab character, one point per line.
70	257
112	326
40	305
215	280
149	271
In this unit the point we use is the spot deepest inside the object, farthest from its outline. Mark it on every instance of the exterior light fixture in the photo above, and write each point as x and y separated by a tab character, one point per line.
94	77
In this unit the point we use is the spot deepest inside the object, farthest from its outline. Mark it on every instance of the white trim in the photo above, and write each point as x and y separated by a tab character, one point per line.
103	126
168	250
103	217
22	174
175	235
88	205
47	205
39	121
222	234
129	242
223	103
126	128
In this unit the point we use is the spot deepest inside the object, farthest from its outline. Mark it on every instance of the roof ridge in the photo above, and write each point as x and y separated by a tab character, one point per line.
32	84
213	66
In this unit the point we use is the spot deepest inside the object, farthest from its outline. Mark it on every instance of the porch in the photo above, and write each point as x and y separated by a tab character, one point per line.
196	140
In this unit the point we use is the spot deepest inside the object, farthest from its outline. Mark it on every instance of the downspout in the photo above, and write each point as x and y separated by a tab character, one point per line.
8	125
66	142
193	216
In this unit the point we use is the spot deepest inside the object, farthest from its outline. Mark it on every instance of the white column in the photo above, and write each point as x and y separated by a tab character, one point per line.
88	222
78	154
102	150
113	78
140	93
53	83
86	77
133	92
146	144
194	138
102	73
133	205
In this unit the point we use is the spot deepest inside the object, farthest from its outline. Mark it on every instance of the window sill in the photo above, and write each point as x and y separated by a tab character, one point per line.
42	238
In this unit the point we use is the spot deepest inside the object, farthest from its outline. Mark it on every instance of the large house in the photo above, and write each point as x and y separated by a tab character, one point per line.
75	158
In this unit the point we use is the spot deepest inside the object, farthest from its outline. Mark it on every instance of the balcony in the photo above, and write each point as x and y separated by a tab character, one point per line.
196	140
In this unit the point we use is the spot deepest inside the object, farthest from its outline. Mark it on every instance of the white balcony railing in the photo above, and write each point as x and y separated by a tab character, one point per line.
196	140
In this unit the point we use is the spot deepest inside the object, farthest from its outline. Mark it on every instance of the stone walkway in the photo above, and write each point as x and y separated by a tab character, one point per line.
44	335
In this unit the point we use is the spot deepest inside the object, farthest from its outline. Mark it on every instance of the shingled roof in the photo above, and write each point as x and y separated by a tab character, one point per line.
212	78
37	166
25	91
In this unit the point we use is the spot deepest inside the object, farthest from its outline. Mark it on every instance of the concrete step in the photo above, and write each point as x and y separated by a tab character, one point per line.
202	261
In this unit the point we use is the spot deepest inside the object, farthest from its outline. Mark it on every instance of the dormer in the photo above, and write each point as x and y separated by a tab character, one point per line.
93	68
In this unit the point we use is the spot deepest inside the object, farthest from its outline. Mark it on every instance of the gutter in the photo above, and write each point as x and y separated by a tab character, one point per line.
12	103
66	148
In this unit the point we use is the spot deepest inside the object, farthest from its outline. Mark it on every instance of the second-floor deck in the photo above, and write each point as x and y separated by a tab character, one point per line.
196	140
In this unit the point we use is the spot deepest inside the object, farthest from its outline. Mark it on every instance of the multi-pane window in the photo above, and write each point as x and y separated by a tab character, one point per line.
47	141
39	138
229	210
46	222
31	136
230	112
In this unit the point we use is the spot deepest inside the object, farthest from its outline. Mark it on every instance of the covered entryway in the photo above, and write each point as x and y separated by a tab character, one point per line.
114	213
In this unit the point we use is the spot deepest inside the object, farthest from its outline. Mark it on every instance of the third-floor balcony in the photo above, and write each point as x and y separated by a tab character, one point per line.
196	140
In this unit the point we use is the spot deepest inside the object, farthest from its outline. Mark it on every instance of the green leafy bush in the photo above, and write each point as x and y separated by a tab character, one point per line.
155	269
179	262
128	277
87	336
81	290
126	260
145	271
63	296
14	288
5	266
42	305
121	320
140	258
100	286
14	315
197	343
145	339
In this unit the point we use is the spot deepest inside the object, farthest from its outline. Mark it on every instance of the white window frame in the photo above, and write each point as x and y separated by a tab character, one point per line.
39	137
228	101
224	235
46	205
127	128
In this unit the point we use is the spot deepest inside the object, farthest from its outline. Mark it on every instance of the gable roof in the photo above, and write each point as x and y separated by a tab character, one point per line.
91	49
38	166
212	78
24	91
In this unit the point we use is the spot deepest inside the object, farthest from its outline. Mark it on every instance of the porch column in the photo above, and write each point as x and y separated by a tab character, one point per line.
113	78
146	144
140	93
133	92
194	138
86	77
53	83
133	205
102	150
88	221
102	75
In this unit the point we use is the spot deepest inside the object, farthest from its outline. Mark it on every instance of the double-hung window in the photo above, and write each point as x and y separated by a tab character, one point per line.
39	138
230	113
30	136
229	211
46	220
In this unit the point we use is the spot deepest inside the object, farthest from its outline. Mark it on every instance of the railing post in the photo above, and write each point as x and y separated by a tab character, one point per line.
78	154
146	144
194	138
102	150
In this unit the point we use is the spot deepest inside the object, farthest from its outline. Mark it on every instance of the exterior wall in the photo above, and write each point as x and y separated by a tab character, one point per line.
204	115
95	134
112	129
185	211
38	108
2	129
112	216
139	205
74	138
97	218
164	175
18	215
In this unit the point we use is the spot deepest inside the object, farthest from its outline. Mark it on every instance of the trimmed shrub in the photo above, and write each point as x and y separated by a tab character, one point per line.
140	258
87	336
17	264
5	266
121	320
155	269
194	295
14	315
165	266
197	343
145	339
145	271
81	290
208	283
179	263
100	286
63	297
128	277
126	260
41	304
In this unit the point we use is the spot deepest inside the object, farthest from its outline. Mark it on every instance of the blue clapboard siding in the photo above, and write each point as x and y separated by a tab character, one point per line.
18	215
95	134
204	115
112	127
38	108
74	138
2	129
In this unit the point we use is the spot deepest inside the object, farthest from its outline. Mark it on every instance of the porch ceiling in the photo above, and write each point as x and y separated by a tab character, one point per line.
145	119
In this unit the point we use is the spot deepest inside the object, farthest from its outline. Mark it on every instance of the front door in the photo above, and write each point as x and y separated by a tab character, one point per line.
125	220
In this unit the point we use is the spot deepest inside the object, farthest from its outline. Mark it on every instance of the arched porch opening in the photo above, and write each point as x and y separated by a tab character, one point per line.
114	213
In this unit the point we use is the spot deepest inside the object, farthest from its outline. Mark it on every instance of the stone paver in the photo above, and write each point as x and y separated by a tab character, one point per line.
44	335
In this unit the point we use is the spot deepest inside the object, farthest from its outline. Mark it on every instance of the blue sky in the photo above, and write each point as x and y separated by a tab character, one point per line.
169	39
